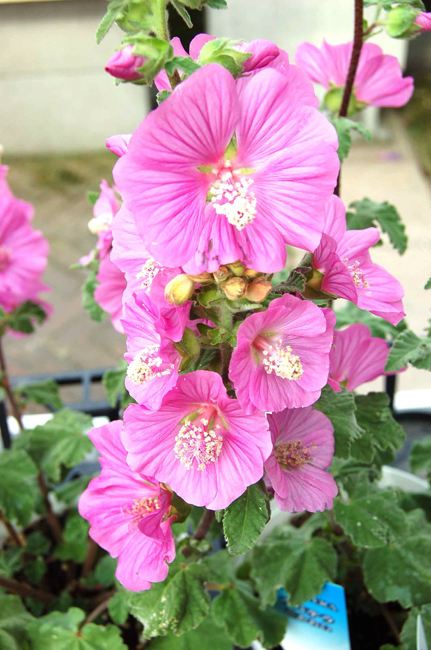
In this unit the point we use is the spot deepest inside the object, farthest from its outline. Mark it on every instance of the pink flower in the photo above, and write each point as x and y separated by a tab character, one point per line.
303	449
356	357
153	359
282	357
104	211
347	271
283	169
378	82
23	253
423	20
200	442
129	514
123	64
109	291
118	144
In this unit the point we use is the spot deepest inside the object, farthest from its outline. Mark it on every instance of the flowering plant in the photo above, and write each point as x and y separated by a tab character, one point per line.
238	388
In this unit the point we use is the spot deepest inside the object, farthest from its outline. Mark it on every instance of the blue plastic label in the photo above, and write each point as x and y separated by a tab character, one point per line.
319	623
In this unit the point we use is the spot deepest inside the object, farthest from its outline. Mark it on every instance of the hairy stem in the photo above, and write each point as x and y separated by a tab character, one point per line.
353	66
50	516
5	383
161	20
24	590
18	539
97	611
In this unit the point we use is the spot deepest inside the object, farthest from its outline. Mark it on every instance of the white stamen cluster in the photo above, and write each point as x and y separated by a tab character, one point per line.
101	223
282	362
233	199
148	273
140	508
357	274
197	443
147	365
293	455
4	257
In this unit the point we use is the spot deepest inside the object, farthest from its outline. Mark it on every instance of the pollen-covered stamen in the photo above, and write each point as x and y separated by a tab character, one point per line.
357	274
5	257
279	358
140	508
199	442
147	364
148	272
101	223
231	196
293	455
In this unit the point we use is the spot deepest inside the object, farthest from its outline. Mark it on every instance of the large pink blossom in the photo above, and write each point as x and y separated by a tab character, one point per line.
379	79
347	271
356	357
196	207
282	357
129	514
303	442
423	20
153	359
200	442
109	292
23	253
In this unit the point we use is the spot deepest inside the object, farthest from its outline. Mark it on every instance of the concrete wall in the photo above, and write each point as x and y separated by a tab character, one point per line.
54	93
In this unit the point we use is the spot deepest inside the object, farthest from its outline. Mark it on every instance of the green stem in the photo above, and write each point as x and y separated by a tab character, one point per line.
5	383
161	20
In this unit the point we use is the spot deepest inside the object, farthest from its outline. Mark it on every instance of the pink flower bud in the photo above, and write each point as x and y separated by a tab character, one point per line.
423	20
263	52
123	64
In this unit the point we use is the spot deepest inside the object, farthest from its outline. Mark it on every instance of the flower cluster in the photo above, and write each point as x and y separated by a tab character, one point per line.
215	183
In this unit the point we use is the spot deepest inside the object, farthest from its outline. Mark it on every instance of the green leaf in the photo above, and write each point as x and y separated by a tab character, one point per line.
35	570
344	126
61	631
296	281
428	284
72	490
154	51
371	521
301	568
409	632
182	12
379	327
61	441
216	4
369	213
179	604
420	456
162	95
75	535
222	51
208	634
10	561
375	418
17	485
184	63
118	607
238	610
104	573
113	383
22	319
245	518
45	393
409	348
14	619
89	303
93	197
340	408
37	543
113	12
401	571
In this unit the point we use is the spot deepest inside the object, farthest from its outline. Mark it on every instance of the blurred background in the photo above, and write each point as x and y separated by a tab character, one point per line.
57	106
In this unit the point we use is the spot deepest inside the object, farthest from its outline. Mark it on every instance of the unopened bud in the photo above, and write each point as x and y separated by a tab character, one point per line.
237	268
400	21
222	274
235	288
202	278
251	273
258	290
179	289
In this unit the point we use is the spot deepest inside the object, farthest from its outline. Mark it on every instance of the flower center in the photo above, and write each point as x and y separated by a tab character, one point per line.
293	455
279	358
198	441
148	273
101	223
231	196
140	508
4	257
357	274
147	365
